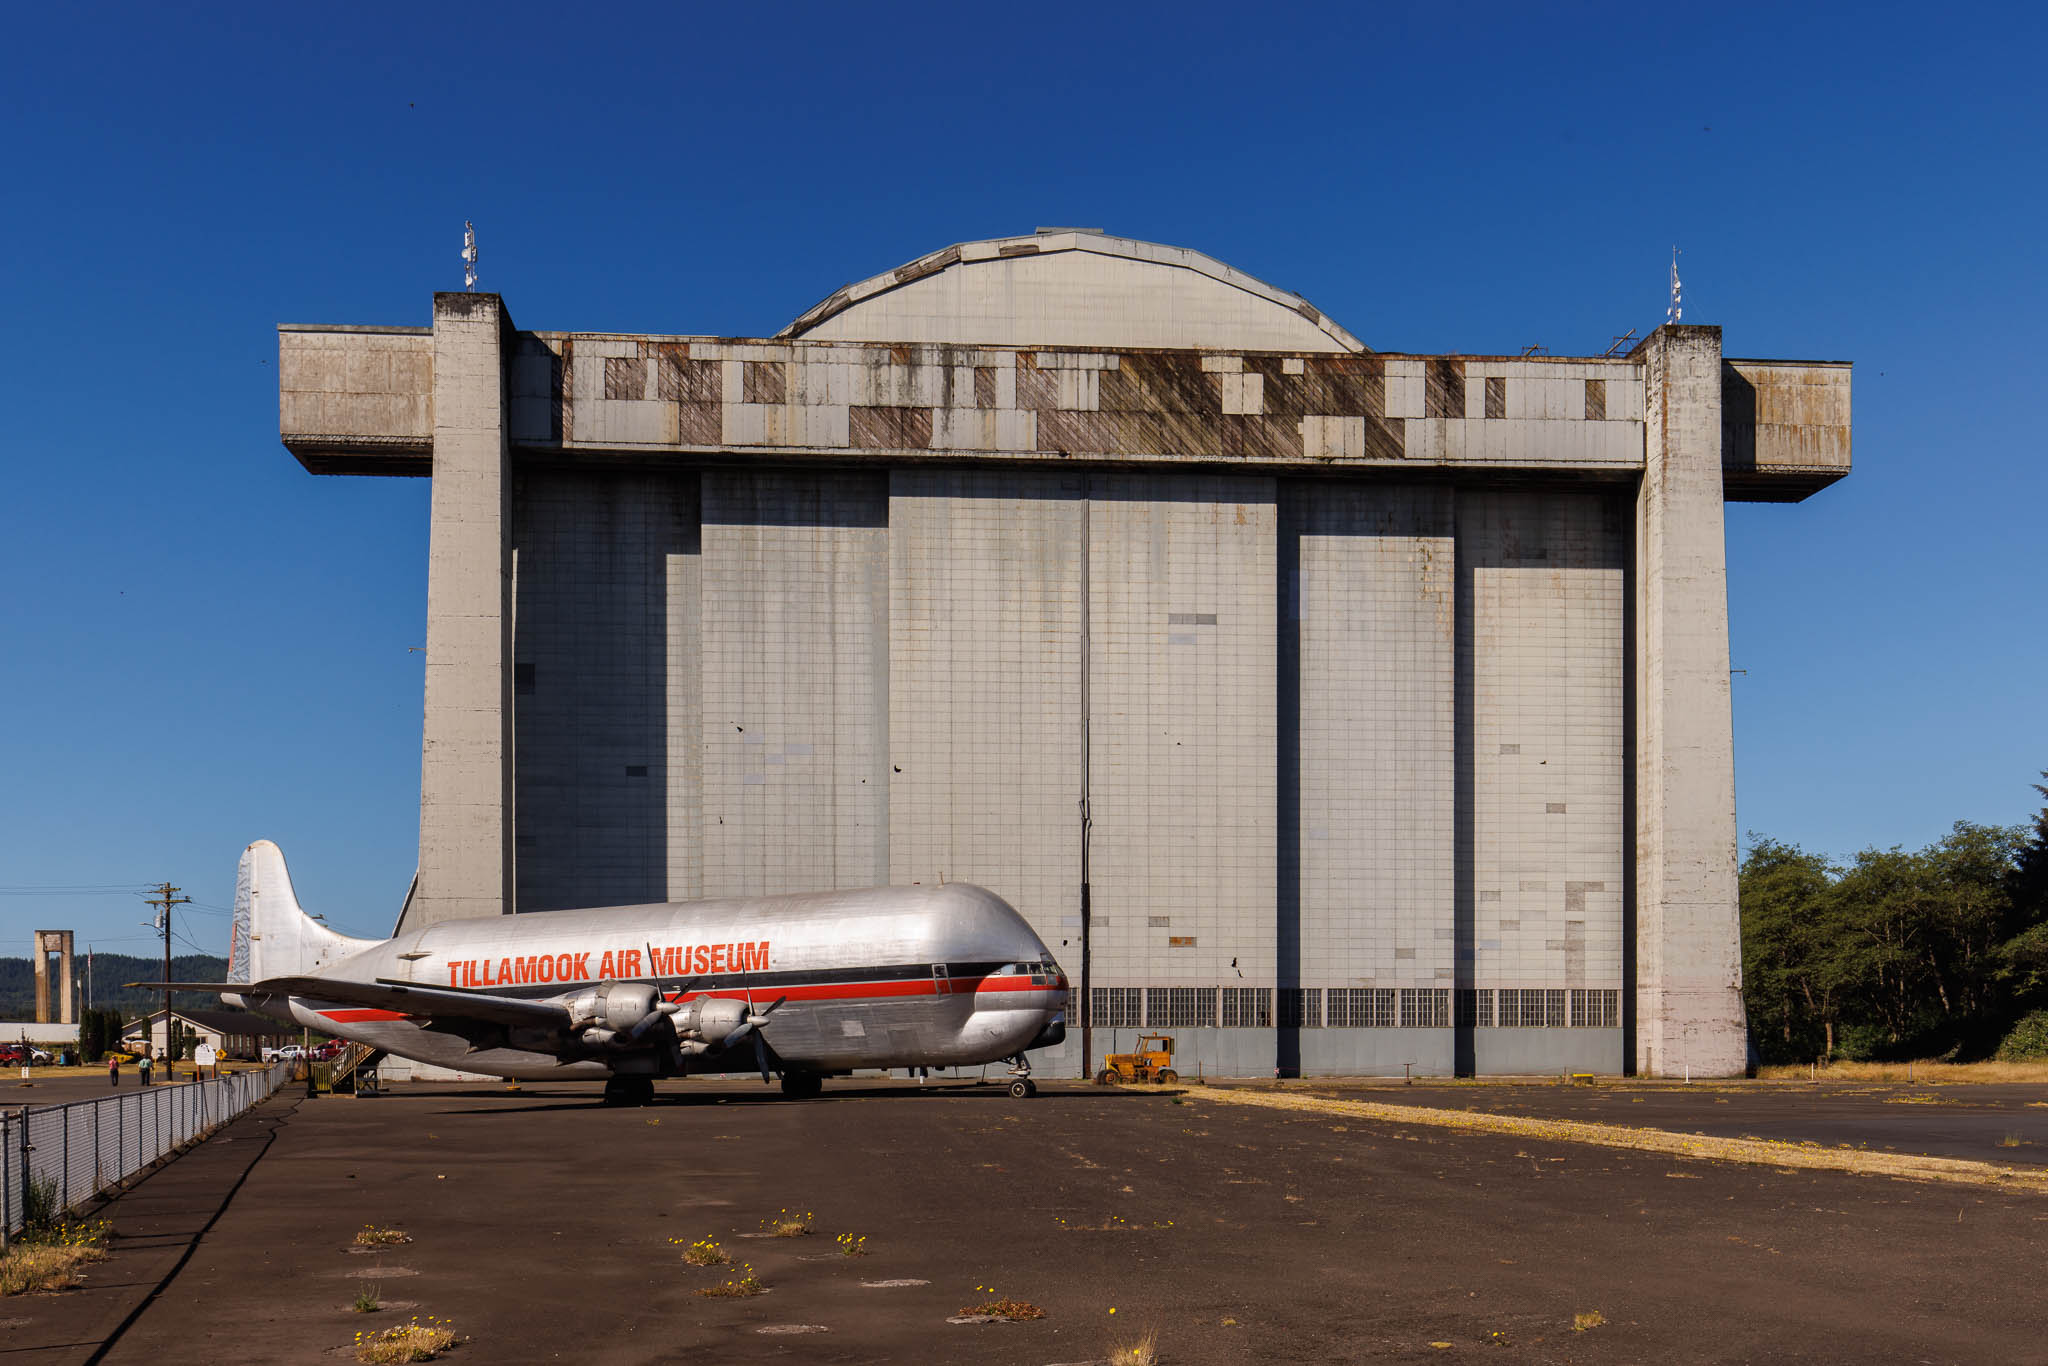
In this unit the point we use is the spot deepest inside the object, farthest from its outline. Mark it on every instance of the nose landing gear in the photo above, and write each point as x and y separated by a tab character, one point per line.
1021	1084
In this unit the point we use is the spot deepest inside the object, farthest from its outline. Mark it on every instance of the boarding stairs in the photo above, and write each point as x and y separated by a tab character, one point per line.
355	1071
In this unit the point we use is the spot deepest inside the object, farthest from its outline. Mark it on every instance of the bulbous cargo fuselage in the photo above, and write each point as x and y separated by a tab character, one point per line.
943	976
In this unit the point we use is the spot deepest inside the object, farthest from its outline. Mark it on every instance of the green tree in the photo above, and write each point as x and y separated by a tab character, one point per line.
1792	971
2024	955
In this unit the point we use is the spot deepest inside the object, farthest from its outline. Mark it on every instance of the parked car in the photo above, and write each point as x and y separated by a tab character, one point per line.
291	1051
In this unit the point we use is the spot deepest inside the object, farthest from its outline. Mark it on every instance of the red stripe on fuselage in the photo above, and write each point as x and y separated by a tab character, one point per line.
831	991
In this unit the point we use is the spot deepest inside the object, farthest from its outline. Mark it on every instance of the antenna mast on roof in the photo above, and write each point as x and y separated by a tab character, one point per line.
468	255
1676	312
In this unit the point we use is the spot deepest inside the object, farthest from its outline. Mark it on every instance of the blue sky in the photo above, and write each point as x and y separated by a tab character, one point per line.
205	645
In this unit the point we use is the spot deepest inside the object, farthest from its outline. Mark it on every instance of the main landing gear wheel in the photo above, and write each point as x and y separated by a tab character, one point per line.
1021	1084
629	1091
802	1085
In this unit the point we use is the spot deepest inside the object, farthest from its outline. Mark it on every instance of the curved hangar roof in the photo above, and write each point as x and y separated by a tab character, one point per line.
1072	287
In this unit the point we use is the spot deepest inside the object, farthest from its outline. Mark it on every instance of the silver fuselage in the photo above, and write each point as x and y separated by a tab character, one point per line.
945	976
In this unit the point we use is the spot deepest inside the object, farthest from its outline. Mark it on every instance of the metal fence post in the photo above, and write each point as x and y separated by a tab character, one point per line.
65	1114
22	1121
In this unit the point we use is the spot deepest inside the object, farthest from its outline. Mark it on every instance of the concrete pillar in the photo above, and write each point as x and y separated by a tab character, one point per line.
58	942
1688	954
466	744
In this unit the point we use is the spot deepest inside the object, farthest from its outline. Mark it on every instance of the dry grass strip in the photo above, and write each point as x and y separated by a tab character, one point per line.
1915	1073
29	1268
1762	1152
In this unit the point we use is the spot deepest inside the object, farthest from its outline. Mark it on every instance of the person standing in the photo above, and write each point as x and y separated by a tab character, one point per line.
143	1067
114	1070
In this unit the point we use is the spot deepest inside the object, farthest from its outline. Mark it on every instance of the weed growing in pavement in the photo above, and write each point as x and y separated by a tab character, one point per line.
789	1225
999	1306
852	1244
42	1205
703	1252
737	1286
1592	1318
372	1236
2011	1140
367	1300
1143	1352
1113	1223
49	1255
409	1341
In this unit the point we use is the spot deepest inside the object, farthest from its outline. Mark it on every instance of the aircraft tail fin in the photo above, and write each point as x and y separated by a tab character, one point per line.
272	935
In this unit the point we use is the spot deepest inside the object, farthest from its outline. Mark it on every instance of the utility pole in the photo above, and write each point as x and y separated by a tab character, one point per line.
165	898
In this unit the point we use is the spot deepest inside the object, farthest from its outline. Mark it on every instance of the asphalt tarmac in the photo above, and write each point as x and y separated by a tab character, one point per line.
547	1228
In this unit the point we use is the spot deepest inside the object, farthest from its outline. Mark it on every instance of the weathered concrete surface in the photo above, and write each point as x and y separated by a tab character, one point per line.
1688	945
357	400
1234	1235
1784	427
466	754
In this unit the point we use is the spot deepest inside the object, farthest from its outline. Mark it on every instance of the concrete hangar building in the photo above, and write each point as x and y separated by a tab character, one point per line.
1328	708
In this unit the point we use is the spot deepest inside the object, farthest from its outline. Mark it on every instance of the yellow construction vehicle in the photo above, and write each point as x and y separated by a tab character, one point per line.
1153	1061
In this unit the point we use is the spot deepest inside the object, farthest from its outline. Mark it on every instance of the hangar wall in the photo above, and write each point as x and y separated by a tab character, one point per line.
1348	754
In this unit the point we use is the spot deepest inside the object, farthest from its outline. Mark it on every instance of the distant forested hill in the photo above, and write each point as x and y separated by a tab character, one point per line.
109	971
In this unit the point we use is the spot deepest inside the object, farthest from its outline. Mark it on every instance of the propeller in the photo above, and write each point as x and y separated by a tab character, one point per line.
752	1025
663	1006
755	1019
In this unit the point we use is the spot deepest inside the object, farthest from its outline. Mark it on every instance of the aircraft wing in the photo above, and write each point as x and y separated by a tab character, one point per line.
439	1003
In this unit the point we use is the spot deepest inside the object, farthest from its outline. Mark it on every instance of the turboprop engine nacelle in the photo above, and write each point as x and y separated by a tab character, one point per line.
709	1019
616	1014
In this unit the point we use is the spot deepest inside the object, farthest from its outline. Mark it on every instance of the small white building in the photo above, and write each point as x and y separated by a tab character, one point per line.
232	1033
45	1035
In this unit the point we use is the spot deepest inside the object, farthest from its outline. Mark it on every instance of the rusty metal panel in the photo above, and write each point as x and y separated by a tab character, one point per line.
765	382
1443	387
625	377
1496	396
891	429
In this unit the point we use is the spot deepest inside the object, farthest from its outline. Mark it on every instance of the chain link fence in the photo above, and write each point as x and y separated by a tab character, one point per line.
56	1157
